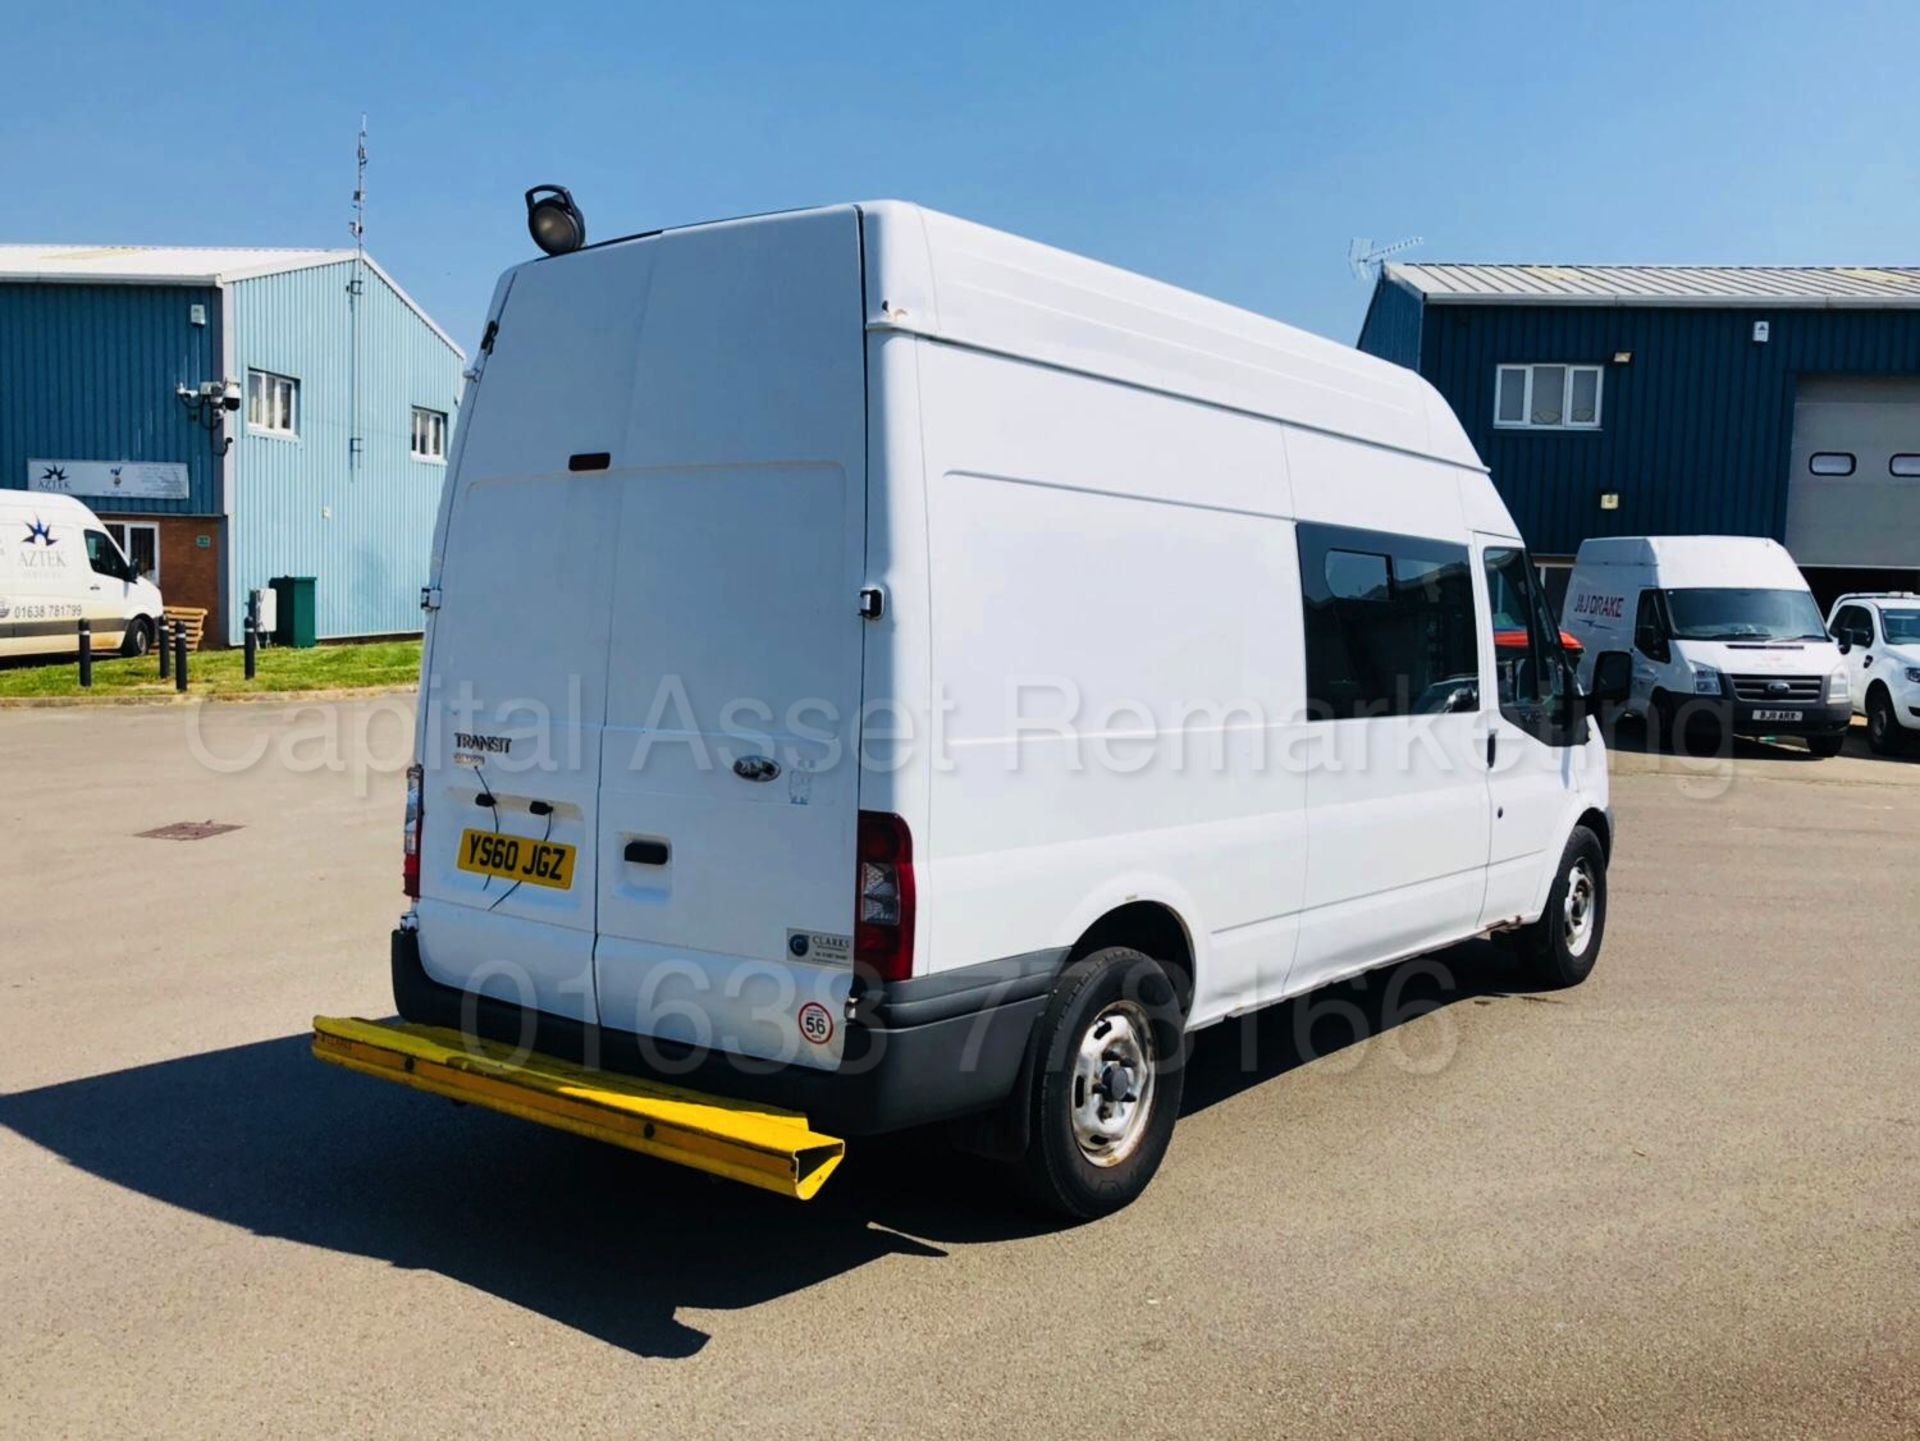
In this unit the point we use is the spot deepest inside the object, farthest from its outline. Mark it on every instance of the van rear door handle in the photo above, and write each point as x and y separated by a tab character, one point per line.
1490	744
647	853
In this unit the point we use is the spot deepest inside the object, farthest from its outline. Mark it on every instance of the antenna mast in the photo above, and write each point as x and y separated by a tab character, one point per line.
356	287
1364	258
358	225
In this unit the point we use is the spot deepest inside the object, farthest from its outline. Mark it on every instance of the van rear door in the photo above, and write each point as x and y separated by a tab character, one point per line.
649	645
517	654
729	785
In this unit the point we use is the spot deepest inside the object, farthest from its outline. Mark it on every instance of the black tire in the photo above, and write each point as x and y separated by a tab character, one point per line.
1553	952
1827	747
1883	726
139	637
1127	992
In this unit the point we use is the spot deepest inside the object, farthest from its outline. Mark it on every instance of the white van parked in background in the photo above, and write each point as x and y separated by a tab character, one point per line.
58	566
892	670
1724	634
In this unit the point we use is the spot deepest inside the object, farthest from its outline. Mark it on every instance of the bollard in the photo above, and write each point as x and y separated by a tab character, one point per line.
86	654
166	649
180	657
253	641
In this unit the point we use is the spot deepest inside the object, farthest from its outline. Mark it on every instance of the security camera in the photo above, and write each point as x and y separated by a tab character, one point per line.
230	394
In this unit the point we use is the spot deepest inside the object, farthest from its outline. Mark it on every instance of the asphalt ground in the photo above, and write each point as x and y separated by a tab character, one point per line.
1682	1200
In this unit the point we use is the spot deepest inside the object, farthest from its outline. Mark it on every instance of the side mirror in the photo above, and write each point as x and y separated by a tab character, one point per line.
1612	678
1843	639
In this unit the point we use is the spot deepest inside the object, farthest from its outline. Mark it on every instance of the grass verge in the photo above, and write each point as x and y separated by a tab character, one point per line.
221	672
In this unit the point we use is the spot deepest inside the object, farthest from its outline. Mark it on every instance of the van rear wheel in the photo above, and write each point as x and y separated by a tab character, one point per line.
1559	949
139	637
1107	1077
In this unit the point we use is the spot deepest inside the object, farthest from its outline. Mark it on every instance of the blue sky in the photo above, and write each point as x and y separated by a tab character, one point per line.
1231	148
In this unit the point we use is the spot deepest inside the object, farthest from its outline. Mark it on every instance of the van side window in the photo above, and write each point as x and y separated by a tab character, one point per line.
1650	628
103	557
1389	624
1528	659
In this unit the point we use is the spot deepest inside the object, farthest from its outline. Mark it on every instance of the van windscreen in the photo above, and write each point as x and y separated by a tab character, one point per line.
1744	614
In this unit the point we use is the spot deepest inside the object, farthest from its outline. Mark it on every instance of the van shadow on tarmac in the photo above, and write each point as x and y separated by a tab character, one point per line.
612	1244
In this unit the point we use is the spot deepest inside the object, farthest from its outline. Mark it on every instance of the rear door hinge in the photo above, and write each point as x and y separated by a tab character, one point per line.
486	340
429	597
873	603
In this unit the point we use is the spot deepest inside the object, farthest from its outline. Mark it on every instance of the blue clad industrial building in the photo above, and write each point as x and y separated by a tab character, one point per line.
1680	400
234	416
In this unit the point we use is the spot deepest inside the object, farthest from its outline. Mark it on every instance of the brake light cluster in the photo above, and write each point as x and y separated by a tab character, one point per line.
883	918
410	852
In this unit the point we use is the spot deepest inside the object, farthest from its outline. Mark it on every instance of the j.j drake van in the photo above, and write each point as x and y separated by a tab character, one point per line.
854	475
1724	635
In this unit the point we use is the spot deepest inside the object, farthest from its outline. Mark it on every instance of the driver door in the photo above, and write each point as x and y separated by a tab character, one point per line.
1855	629
1533	748
105	600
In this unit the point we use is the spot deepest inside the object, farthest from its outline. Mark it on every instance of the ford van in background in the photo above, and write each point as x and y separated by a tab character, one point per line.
58	566
1726	638
884	669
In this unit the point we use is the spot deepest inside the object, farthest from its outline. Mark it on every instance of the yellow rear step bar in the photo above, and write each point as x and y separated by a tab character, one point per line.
774	1150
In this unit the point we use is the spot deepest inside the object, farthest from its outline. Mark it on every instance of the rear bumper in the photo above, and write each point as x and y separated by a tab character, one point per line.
918	1051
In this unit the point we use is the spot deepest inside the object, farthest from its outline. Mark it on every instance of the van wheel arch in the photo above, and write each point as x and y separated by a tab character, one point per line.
1596	821
1154	930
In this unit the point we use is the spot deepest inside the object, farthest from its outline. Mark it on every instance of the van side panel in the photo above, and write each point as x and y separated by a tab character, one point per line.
1398	818
1115	621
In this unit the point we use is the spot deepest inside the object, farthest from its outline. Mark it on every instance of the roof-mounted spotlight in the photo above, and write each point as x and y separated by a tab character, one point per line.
554	221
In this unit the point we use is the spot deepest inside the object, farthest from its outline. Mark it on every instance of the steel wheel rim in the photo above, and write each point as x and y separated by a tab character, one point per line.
1113	1084
1578	910
1877	721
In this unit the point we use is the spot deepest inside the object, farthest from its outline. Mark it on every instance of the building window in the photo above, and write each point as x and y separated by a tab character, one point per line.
1907	467
139	541
1831	462
273	403
1390	625
429	434
1547	397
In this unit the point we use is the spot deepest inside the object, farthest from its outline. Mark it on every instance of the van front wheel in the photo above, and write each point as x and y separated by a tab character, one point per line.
1108	1068
1559	949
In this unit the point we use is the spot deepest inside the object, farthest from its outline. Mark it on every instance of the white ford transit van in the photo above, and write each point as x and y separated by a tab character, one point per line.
58	566
1724	634
888	670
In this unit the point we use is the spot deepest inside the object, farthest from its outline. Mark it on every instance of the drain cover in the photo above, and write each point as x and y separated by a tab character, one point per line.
187	831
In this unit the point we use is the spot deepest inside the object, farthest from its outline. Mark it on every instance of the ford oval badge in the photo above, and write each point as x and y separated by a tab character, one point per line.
756	768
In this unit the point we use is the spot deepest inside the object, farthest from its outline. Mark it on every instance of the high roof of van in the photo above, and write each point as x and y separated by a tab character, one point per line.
942	276
1685	561
950	279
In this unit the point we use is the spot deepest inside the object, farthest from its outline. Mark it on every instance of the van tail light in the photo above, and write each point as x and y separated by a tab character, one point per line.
883	919
410	852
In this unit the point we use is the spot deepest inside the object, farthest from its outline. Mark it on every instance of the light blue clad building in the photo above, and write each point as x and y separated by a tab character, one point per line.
235	415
